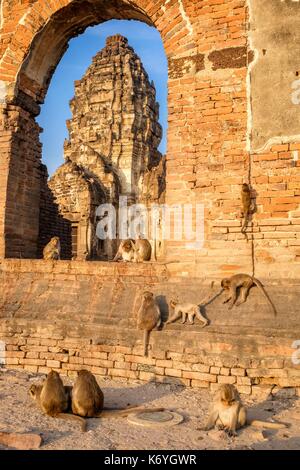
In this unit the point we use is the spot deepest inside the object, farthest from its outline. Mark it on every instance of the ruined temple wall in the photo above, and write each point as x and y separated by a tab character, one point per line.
114	112
223	64
51	221
72	315
220	99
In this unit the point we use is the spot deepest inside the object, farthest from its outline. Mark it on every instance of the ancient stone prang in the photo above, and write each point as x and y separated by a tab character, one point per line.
112	148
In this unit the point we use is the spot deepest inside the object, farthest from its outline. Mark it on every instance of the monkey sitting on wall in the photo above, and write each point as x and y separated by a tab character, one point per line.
88	400
143	250
243	282
135	251
229	414
148	317
184	311
126	251
54	399
52	250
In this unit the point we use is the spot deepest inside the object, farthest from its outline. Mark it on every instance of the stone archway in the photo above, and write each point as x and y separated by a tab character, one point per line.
40	38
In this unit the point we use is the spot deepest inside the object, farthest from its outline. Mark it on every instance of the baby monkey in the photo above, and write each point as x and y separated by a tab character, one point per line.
229	414
243	282
185	311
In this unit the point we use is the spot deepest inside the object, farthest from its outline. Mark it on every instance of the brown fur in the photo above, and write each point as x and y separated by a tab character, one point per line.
244	282
135	251
228	412
148	317
87	396
54	399
52	249
246	203
88	399
126	251
184	311
142	250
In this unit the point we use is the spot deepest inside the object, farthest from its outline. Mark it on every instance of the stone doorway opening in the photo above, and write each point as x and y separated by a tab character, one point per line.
112	139
38	57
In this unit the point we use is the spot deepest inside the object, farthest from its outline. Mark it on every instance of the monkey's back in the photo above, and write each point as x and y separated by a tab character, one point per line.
144	249
148	316
87	396
53	398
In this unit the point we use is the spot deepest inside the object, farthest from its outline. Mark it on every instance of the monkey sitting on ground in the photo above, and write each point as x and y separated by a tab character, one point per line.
228	413
247	207
243	282
184	311
88	400
148	317
52	249
54	399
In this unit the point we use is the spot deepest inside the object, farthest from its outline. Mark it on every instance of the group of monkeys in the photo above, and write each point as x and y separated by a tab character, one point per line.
135	251
236	289
140	250
85	399
149	316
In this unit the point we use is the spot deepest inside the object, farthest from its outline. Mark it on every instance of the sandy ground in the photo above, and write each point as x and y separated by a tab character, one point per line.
18	413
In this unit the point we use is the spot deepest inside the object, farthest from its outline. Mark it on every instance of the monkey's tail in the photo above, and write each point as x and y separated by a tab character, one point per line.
244	228
146	341
71	417
265	424
263	290
122	412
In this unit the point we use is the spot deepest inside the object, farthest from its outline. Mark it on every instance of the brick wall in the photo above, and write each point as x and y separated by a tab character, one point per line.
51	222
209	156
42	352
72	315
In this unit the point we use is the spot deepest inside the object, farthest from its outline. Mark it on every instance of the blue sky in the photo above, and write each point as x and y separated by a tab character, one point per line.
146	42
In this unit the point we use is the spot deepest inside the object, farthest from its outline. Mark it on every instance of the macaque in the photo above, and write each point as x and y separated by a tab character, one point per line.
126	251
229	414
84	400
52	250
54	399
148	317
184	311
243	282
135	251
142	250
88	400
246	203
